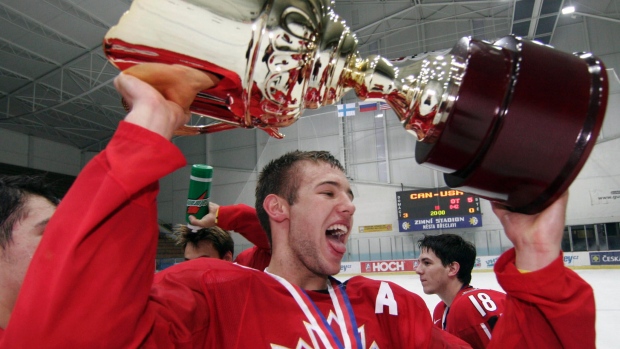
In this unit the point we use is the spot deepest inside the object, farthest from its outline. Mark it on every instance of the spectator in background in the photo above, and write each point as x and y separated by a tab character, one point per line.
445	265
26	205
243	220
212	242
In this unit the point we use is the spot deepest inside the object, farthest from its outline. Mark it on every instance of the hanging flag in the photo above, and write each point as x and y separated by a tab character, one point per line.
384	106
367	106
346	109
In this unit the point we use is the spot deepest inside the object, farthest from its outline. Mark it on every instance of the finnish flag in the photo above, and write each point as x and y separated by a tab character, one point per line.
346	109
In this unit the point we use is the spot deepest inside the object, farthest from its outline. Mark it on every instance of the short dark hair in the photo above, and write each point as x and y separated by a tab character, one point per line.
452	248
14	192
281	177
220	238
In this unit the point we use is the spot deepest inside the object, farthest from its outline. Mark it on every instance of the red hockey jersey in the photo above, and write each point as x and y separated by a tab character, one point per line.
242	219
472	316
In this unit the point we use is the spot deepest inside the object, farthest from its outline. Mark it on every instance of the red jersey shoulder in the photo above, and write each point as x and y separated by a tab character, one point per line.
478	303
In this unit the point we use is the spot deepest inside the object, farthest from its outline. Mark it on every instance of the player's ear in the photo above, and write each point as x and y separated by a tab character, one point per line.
276	207
453	268
228	256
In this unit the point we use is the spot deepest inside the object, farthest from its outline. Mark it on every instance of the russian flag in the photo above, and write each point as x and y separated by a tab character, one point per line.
367	106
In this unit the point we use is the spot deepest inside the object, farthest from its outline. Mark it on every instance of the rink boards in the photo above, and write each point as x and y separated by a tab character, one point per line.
483	263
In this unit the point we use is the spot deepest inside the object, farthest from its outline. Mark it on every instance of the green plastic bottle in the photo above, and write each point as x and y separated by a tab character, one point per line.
199	193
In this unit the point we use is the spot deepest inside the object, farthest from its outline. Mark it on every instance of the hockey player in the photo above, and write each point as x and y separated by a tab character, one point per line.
445	265
243	220
212	242
26	205
89	285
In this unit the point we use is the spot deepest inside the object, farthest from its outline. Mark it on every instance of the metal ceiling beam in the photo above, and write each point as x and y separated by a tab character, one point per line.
535	16
419	6
390	32
12	74
93	51
615	20
22	52
77	12
23	21
58	105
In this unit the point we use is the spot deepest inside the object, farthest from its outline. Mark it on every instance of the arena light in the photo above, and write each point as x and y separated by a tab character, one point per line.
568	10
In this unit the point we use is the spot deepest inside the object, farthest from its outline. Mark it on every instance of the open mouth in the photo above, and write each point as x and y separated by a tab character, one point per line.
337	232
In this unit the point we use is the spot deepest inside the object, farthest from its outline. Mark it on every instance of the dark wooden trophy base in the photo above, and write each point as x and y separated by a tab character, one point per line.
524	123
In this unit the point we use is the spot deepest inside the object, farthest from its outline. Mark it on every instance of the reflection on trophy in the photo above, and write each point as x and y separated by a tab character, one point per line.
512	121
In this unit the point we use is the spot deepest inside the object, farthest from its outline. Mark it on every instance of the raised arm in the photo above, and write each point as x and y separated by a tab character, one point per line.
548	305
537	238
240	218
89	281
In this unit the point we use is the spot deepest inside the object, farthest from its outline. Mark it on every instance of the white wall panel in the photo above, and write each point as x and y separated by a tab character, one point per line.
600	176
234	138
165	210
330	144
166	186
365	172
290	132
229	194
179	203
611	125
319	125
55	157
362	121
580	37
401	144
392	119
192	145
409	173
364	146
224	176
570	38
603	36
14	148
274	150
237	158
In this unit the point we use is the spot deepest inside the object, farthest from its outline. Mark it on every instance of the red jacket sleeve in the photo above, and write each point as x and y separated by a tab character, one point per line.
549	308
242	219
88	255
254	257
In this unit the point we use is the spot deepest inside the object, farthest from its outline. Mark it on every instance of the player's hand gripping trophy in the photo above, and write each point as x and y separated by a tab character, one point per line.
512	121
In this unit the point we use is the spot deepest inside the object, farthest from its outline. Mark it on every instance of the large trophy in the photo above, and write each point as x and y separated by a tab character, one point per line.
512	121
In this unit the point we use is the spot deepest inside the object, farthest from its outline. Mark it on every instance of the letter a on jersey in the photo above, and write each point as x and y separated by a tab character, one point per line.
385	298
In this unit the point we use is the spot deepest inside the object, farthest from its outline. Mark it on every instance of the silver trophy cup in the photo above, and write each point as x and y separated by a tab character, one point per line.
512	121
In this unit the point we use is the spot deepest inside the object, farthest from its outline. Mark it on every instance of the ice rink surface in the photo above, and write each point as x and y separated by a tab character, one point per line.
605	282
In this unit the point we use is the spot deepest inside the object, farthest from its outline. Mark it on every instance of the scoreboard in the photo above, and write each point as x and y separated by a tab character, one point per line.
437	208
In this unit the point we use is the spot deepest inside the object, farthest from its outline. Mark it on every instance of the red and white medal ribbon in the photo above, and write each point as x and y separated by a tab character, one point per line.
318	322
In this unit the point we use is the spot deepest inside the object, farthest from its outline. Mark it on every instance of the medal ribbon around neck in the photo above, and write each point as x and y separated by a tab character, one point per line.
340	301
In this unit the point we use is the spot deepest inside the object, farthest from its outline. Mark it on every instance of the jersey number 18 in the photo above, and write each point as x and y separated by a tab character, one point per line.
482	302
